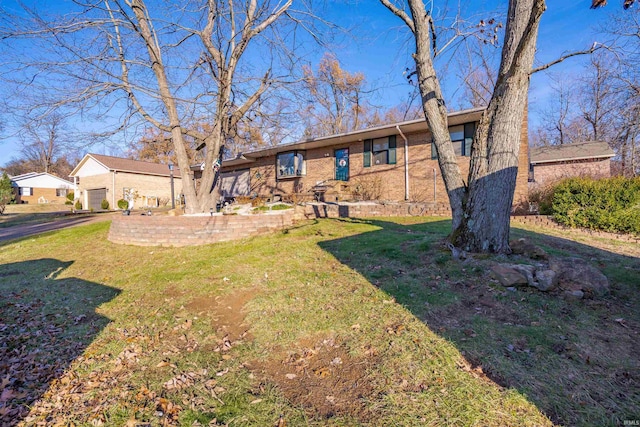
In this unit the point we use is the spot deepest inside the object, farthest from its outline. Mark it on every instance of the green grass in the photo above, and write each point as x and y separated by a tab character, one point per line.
423	339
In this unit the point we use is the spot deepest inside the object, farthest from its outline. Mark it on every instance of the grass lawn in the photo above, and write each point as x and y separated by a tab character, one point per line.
333	322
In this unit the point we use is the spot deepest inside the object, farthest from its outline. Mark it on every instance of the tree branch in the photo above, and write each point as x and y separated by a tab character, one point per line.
400	14
593	48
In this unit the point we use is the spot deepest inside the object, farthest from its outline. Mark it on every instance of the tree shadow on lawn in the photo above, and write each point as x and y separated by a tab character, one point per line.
46	322
576	360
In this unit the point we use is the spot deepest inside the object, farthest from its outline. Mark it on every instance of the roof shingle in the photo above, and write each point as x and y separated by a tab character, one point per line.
575	151
128	165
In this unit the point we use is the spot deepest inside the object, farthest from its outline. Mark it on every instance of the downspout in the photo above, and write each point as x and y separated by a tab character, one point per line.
113	191
435	174
406	164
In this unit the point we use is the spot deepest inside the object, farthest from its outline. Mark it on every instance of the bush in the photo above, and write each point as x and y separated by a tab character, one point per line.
123	204
542	197
607	204
78	205
104	204
70	196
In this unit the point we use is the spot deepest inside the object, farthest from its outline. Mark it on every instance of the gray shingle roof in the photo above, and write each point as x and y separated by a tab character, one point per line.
575	151
128	165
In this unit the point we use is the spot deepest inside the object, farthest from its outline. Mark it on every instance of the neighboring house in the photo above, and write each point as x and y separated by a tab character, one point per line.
98	177
552	163
34	187
391	162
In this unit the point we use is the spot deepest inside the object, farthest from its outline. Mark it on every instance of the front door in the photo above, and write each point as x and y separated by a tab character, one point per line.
342	164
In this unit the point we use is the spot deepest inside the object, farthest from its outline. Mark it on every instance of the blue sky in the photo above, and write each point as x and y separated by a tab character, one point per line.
378	45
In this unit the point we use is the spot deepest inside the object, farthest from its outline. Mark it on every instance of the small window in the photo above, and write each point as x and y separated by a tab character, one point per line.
380	151
26	191
61	192
461	138
291	164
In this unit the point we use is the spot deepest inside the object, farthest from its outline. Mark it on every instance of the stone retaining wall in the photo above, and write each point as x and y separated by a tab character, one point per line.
366	210
161	230
548	222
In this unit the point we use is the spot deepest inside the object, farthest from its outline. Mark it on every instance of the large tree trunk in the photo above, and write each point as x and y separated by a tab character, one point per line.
481	210
435	112
496	147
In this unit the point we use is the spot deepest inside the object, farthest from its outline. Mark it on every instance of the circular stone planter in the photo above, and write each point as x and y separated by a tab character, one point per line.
186	230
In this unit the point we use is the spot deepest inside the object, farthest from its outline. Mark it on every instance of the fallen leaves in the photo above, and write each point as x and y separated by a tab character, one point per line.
184	380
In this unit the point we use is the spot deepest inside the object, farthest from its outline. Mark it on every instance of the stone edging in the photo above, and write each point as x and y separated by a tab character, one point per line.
547	221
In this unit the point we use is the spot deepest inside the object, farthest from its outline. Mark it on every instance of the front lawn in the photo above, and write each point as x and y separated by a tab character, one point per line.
333	322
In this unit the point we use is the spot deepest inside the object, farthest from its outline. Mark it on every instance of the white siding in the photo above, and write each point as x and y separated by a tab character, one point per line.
90	168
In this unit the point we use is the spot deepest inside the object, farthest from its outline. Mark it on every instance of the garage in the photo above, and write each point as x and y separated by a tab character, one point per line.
235	183
95	198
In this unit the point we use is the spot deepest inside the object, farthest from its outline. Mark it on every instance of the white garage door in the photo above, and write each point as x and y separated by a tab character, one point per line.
236	183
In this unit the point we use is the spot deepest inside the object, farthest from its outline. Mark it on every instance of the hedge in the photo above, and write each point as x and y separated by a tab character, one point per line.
611	204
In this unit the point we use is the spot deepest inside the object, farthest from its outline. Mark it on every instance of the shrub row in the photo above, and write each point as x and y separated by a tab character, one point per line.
606	204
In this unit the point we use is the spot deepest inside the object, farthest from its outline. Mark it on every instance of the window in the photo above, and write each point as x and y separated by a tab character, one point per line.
291	164
380	151
461	138
26	191
61	192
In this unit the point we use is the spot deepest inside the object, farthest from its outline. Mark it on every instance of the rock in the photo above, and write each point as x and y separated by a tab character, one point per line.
573	295
527	271
508	276
575	274
546	280
524	247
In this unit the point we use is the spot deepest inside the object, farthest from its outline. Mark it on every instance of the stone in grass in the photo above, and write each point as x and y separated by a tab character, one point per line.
573	295
575	274
508	276
525	248
546	280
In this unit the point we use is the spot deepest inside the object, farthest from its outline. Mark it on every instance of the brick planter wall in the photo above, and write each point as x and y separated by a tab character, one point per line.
142	230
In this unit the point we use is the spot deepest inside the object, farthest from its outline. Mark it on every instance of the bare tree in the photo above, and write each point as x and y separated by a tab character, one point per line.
477	69
43	141
598	96
170	64
481	205
559	124
335	99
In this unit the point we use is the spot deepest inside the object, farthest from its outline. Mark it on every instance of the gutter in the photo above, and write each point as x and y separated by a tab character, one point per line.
406	164
567	159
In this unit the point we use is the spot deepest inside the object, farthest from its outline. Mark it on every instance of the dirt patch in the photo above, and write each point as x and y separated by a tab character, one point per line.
323	378
173	292
228	317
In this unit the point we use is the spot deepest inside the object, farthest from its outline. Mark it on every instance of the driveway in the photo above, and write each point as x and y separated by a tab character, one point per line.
20	231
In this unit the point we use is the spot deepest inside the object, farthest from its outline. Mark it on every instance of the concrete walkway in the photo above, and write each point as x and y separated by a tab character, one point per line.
20	231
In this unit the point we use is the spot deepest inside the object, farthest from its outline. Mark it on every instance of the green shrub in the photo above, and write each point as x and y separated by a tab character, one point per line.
607	204
123	204
78	205
70	196
104	204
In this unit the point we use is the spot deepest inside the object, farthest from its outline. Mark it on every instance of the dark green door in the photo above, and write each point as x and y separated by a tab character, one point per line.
342	164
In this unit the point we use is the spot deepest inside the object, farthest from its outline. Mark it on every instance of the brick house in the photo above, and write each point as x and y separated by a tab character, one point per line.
34	187
99	177
553	163
392	162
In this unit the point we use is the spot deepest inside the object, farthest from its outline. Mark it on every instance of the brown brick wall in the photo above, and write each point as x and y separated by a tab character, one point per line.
142	230
548	173
145	186
49	195
320	166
